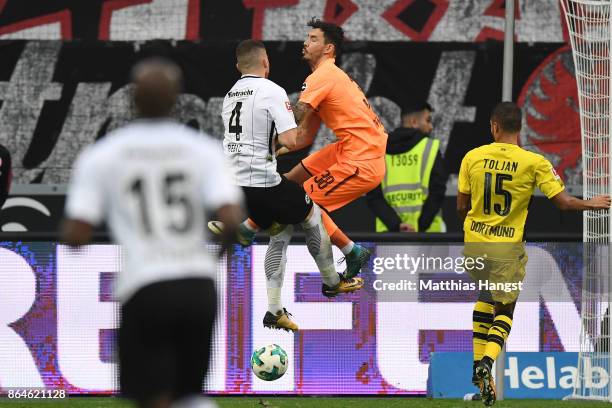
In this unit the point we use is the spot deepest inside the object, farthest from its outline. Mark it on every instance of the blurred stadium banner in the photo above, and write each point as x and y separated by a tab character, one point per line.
58	97
527	375
59	318
382	20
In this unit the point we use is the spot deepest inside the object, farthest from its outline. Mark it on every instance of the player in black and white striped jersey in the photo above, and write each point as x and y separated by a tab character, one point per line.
256	114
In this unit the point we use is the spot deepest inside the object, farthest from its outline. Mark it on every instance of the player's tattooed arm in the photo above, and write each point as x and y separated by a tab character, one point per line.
298	138
308	122
299	111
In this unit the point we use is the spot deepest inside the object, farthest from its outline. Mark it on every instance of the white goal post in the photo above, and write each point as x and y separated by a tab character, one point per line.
588	23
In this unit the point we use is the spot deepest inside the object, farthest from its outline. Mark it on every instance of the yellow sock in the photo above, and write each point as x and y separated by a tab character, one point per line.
482	319
498	334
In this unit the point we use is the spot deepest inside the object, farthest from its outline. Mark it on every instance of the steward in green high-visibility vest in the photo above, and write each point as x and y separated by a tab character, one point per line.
412	192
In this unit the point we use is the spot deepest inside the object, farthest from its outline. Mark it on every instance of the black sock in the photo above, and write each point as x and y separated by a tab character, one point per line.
488	361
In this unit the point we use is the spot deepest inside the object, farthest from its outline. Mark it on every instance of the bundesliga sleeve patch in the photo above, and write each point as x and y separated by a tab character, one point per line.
303	86
288	106
555	174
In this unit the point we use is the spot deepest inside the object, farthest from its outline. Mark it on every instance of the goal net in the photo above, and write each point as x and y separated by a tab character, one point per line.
588	23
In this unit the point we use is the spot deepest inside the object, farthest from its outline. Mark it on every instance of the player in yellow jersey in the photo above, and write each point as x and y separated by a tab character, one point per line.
496	182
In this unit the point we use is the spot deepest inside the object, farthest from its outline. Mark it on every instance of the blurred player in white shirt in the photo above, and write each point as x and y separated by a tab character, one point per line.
152	181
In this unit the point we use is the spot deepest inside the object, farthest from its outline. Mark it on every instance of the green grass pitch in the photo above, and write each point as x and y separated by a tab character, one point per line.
306	402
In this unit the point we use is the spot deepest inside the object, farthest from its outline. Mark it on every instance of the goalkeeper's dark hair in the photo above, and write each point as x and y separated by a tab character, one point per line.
333	34
508	116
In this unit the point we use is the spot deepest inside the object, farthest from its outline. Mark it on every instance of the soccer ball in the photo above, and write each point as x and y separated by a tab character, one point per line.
269	363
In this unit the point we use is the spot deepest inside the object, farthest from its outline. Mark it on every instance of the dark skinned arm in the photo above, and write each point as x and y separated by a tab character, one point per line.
76	232
464	204
379	206
231	215
564	201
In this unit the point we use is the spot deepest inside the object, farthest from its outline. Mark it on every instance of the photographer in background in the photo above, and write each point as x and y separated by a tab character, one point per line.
412	192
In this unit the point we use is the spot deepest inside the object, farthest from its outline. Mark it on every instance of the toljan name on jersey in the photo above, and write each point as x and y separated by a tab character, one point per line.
446	285
500	165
